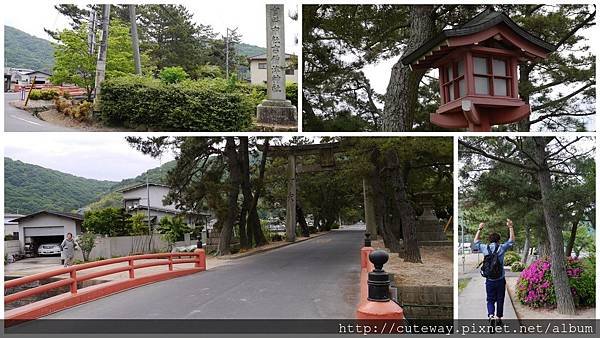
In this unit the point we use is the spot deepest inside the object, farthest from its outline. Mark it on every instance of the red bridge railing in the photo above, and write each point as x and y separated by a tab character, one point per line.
77	295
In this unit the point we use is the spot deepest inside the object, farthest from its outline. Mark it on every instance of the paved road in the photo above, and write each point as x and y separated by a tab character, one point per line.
20	120
318	278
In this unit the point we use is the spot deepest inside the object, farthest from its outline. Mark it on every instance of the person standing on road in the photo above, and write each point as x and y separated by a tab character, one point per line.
493	271
67	248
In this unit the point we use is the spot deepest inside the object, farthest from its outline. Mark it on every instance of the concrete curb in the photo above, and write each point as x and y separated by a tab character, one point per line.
261	250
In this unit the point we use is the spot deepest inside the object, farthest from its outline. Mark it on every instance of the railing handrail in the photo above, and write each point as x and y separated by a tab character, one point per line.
72	271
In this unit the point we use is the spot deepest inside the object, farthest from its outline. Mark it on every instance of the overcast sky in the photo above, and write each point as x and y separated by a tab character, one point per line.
248	16
101	156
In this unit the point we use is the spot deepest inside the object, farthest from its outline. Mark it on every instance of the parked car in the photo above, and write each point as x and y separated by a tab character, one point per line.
49	249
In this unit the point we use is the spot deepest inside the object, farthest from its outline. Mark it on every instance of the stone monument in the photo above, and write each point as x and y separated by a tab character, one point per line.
276	109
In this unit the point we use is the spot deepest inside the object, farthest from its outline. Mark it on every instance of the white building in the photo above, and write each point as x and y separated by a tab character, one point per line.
10	226
23	76
45	227
258	69
135	200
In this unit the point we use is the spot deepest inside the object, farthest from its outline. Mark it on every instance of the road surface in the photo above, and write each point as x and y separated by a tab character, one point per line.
21	120
318	278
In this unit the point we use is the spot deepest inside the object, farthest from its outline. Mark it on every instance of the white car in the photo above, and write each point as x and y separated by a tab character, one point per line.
49	249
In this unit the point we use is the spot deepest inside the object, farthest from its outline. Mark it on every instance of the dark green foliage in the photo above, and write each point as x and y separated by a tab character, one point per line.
22	50
29	188
109	222
203	105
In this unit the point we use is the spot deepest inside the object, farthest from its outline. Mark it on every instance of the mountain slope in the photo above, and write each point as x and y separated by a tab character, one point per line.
29	188
22	50
249	50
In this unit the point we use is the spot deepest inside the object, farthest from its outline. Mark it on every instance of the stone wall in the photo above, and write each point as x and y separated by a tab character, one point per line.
12	247
426	302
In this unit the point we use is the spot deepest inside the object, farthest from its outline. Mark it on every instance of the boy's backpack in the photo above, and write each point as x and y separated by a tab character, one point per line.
492	268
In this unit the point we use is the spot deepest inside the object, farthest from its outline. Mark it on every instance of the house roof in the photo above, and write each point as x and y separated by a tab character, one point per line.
142	185
37	71
263	56
143	208
481	22
76	217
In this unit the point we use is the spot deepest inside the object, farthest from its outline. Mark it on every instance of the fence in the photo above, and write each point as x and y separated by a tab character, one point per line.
77	295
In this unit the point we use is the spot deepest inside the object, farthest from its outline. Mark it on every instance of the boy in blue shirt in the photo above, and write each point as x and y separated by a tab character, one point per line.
495	288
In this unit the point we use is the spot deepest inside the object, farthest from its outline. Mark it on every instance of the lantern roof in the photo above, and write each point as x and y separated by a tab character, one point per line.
485	25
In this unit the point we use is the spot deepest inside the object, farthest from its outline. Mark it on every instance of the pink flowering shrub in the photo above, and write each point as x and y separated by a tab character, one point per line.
535	287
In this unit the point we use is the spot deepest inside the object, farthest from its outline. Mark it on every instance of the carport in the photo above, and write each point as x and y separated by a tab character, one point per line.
45	227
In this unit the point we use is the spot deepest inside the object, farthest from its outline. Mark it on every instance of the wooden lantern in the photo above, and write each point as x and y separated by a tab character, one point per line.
478	73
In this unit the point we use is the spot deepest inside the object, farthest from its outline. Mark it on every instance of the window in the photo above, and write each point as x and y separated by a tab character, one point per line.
453	81
289	71
492	76
262	65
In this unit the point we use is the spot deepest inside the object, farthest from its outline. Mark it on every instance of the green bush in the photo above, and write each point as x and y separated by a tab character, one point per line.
172	75
43	94
203	105
517	267
585	284
510	257
260	92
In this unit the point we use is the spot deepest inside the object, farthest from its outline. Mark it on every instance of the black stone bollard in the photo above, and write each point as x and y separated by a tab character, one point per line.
379	280
367	239
199	243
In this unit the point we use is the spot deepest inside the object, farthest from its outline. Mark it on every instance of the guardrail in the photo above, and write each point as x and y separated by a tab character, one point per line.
77	295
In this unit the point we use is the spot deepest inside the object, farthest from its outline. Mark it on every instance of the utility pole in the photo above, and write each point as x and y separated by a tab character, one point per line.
227	51
135	42
149	223
92	31
101	63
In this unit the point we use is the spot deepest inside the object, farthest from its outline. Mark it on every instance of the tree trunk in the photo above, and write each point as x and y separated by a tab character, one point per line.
571	243
407	212
302	220
526	245
245	234
401	94
524	88
258	235
381	210
564	298
234	189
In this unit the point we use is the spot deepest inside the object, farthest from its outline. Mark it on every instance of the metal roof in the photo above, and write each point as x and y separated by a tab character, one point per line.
482	21
69	215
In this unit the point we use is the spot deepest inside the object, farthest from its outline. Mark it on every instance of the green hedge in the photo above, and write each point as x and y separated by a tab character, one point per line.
203	105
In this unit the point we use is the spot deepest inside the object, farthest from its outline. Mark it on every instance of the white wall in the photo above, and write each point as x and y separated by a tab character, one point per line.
108	247
157	194
259	76
47	220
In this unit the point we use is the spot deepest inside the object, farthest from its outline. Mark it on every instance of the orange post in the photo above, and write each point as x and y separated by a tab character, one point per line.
131	269
200	259
377	305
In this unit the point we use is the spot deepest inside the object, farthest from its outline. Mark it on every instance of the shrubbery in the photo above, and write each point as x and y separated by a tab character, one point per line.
510	257
517	267
78	111
203	105
535	288
43	94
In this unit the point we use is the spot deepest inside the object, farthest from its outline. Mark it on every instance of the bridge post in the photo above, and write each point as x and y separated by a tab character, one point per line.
365	251
369	202
170	263
73	275
378	304
131	269
200	259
